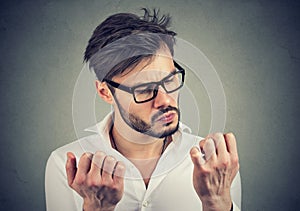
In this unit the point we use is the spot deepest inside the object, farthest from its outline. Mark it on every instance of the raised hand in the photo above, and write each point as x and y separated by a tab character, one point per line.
99	180
213	174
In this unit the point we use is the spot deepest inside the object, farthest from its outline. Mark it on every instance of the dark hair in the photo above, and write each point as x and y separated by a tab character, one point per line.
123	40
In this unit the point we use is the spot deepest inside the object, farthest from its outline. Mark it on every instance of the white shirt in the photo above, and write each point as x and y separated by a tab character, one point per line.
170	187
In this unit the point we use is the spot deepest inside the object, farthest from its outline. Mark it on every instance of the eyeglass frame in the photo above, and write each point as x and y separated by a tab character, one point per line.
130	90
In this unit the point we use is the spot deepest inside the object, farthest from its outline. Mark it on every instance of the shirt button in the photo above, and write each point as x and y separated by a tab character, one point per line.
145	204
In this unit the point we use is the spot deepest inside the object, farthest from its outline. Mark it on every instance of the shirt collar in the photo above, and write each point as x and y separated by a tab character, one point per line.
104	126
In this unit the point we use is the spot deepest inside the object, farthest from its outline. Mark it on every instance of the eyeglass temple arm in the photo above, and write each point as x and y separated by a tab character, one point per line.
119	86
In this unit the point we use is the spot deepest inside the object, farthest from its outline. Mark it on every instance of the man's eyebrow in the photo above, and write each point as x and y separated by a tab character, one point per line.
142	83
146	83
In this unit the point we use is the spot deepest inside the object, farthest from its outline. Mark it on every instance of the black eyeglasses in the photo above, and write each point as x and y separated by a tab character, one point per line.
148	91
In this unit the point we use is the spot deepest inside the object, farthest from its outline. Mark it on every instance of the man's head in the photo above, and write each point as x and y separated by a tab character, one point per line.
136	53
123	40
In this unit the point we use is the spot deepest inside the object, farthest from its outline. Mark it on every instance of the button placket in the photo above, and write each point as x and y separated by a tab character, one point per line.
145	203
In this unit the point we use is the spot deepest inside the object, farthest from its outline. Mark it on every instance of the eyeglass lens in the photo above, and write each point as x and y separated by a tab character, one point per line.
148	91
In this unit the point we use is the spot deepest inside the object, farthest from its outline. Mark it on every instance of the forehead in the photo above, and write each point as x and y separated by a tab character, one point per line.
155	69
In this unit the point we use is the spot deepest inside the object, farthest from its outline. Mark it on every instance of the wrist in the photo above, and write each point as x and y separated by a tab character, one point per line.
217	205
90	205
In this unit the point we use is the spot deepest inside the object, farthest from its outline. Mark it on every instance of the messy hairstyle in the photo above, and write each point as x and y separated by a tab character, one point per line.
123	40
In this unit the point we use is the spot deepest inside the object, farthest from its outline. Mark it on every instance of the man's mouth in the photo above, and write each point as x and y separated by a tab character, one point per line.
167	117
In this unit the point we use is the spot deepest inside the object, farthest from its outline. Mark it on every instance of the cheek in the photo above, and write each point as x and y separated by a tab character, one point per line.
125	99
174	98
141	110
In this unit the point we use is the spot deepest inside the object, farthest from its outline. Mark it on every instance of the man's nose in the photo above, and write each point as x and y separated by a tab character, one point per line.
162	99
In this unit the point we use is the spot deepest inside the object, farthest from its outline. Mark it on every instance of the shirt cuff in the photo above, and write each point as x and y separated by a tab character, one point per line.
235	207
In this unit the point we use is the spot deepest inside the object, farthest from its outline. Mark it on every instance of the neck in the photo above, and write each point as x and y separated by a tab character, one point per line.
146	148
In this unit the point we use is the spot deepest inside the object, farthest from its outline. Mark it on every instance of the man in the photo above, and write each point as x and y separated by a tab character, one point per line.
140	157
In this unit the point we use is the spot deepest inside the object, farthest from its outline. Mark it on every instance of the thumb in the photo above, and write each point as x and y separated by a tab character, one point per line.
71	167
196	157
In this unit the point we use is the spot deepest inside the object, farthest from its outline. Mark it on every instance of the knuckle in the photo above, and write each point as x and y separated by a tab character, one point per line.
100	154
218	135
195	156
120	167
80	179
93	182
107	182
205	171
214	167
84	155
235	160
90	183
225	163
115	188
87	155
109	161
230	138
69	168
230	135
110	158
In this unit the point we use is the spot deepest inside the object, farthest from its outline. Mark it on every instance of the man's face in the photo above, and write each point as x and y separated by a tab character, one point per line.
158	117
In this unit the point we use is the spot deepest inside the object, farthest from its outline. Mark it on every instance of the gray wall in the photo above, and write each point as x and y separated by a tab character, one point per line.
254	46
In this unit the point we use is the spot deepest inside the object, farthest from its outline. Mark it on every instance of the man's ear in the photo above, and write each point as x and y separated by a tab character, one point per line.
104	92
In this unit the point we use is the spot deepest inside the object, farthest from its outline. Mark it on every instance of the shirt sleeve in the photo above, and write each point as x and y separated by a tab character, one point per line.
235	207
236	192
59	196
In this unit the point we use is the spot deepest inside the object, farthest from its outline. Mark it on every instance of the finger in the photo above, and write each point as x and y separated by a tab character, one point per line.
209	149
108	167
201	145
220	145
84	166
231	143
119	172
232	148
97	162
196	157
71	167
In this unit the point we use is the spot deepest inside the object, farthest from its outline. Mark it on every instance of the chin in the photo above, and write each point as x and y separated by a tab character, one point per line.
164	130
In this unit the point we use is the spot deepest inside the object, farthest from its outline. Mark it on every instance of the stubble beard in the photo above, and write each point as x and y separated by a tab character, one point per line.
141	126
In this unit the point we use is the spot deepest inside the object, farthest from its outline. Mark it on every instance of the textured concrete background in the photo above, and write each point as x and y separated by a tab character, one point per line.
254	46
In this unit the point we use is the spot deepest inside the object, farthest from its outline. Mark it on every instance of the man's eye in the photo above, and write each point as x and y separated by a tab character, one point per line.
170	79
144	91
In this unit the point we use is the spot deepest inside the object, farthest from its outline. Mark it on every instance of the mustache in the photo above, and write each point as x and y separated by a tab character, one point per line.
163	111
